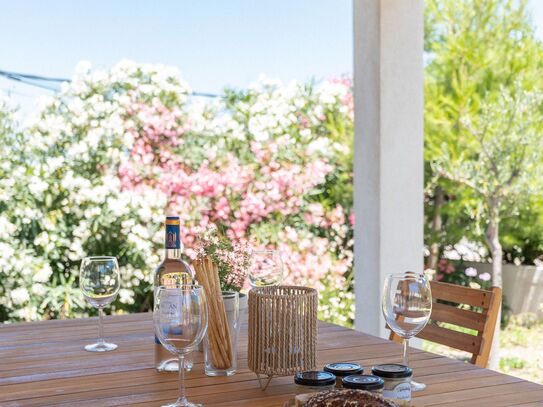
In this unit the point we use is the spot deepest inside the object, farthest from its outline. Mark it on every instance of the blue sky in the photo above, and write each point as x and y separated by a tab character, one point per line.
215	43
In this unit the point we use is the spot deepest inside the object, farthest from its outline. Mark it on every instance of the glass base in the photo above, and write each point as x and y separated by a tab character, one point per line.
219	372
416	386
100	347
172	365
182	403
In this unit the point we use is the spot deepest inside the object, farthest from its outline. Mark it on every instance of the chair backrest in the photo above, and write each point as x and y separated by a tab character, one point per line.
481	317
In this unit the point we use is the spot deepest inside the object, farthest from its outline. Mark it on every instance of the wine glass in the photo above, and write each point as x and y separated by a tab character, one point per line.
180	318
266	268
407	305
99	281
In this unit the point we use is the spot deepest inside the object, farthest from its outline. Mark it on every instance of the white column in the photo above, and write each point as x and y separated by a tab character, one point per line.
388	149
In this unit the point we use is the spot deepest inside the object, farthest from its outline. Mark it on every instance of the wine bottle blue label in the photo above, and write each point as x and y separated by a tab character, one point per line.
172	233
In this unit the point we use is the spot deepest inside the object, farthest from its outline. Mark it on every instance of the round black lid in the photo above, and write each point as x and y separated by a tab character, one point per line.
392	370
343	368
363	382
314	378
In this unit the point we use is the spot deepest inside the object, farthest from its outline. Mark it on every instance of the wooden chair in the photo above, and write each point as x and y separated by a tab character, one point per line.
482	317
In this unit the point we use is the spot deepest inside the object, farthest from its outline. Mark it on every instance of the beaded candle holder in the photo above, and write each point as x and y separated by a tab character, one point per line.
282	331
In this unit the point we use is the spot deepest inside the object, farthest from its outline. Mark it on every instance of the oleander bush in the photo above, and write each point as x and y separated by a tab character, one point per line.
117	149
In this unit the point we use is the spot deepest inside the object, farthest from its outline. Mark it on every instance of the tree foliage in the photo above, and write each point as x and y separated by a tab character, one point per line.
477	52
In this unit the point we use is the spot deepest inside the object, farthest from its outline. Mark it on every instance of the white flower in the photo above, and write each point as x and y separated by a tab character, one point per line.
470	272
475	285
119	205
38	289
145	214
6	252
19	295
128	140
320	145
6	228
126	296
138	274
78	151
485	277
53	163
43	274
76	248
42	239
37	186
140	231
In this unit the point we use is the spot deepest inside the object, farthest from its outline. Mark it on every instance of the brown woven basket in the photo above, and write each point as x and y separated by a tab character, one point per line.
282	330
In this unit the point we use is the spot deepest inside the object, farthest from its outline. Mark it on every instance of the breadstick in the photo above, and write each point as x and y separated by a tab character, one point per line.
202	277
218	332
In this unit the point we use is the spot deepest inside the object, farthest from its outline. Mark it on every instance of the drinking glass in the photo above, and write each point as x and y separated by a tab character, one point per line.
407	305
180	318
221	358
99	281
266	268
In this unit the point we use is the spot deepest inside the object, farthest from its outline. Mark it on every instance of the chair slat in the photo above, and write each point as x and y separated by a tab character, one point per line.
461	295
483	322
453	339
456	316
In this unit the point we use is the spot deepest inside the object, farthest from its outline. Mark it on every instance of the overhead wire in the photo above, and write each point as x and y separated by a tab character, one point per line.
32	77
33	80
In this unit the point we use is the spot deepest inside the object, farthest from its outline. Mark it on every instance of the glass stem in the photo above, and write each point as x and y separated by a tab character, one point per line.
405	355
100	326
181	377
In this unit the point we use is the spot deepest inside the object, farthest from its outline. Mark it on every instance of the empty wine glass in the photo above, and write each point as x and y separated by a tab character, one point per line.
99	281
180	318
266	268
407	305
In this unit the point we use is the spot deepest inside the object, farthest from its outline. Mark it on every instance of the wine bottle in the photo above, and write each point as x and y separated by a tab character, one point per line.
172	272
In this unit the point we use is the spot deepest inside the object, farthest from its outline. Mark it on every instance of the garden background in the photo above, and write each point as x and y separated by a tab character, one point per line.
116	149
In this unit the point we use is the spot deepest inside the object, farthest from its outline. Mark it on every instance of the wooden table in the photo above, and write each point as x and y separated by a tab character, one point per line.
44	364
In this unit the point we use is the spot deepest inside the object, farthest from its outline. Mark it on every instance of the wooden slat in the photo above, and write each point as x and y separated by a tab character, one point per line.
460	294
487	334
32	374
456	316
453	339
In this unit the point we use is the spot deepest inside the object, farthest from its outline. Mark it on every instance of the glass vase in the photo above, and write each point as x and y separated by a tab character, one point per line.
219	358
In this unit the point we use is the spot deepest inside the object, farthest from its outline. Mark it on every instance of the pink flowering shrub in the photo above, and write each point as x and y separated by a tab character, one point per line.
118	149
262	186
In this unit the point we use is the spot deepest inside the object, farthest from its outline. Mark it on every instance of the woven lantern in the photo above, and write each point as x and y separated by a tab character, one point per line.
282	331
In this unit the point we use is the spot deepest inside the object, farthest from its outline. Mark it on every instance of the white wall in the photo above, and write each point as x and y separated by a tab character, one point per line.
522	286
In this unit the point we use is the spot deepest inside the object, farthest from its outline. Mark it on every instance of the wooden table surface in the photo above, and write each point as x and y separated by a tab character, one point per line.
44	364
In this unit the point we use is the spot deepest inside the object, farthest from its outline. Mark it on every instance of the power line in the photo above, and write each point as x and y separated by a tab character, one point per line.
33	80
206	95
32	77
27	81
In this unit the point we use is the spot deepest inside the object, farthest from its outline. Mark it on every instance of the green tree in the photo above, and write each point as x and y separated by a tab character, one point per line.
507	164
482	58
